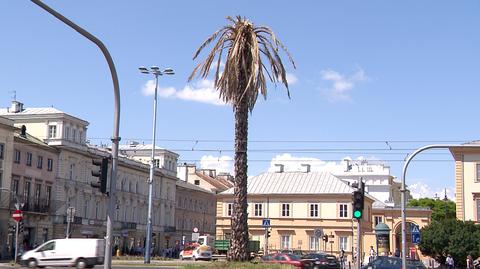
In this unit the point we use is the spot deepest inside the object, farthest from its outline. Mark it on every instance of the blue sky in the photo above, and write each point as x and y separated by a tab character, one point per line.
374	79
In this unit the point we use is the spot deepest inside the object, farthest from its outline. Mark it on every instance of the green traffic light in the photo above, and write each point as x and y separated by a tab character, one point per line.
357	214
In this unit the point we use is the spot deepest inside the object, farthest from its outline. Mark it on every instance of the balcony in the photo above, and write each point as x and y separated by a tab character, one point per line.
31	205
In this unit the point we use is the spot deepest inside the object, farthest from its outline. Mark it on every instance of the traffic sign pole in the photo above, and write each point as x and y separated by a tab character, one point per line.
16	243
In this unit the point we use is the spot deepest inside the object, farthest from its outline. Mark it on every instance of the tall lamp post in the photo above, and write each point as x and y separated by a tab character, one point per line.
445	199
154	70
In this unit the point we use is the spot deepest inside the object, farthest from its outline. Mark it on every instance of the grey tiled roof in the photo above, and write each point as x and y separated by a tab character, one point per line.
295	183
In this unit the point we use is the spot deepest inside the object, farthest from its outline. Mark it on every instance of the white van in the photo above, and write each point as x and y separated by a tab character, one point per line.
79	252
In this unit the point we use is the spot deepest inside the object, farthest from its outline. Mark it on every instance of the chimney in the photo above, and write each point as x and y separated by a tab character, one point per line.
280	168
307	167
16	107
23	132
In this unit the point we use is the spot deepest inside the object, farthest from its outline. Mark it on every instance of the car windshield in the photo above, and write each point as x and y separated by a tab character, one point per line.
314	256
293	257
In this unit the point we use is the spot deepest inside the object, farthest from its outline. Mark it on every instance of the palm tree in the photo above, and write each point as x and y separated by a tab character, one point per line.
251	51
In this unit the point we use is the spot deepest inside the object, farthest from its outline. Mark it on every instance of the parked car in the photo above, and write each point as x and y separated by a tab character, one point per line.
384	262
287	259
79	252
321	260
196	252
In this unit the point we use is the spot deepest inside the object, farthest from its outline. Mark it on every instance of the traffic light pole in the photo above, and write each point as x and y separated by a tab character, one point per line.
116	125
359	243
16	243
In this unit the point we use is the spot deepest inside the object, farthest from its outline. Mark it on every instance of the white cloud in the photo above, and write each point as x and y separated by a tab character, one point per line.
423	190
202	91
292	79
292	163
221	164
342	85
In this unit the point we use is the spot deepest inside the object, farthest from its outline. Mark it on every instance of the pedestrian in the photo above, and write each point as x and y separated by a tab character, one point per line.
469	262
450	262
397	252
372	254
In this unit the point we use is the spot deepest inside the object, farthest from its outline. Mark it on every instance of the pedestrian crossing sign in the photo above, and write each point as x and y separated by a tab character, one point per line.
266	223
415	229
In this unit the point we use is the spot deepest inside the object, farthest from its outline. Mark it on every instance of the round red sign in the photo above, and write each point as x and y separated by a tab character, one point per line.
17	215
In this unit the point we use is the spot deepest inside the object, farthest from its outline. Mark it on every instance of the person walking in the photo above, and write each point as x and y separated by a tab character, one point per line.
372	254
450	262
469	262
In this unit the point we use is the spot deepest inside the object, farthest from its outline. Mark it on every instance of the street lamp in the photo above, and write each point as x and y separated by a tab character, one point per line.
154	70
445	199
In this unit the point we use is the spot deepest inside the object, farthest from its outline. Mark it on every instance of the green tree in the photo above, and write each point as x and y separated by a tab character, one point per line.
437	206
451	236
251	51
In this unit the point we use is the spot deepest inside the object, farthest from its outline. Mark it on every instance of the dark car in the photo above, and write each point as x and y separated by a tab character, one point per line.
383	262
287	259
322	260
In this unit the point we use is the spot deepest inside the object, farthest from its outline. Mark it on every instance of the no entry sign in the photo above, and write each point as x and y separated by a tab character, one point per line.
17	215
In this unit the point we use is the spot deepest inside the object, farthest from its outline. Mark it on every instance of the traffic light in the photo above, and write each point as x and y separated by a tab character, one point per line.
325	238
11	229
268	233
101	173
20	226
358	199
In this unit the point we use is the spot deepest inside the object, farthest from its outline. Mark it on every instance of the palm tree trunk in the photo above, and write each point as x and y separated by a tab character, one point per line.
239	240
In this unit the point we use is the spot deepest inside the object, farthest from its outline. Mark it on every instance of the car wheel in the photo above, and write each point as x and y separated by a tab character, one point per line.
181	257
194	258
32	263
81	264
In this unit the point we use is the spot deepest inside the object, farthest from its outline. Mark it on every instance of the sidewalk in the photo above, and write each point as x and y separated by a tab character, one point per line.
124	262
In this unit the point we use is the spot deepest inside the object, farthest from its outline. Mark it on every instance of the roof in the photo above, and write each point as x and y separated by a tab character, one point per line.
138	147
190	186
296	183
212	181
32	111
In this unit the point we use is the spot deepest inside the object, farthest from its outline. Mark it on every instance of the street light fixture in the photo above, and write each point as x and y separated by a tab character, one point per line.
154	70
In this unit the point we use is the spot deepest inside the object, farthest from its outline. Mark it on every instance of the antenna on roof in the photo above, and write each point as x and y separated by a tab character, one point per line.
14	95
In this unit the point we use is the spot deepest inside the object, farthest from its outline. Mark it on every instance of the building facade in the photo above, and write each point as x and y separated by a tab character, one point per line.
298	203
195	211
6	206
72	189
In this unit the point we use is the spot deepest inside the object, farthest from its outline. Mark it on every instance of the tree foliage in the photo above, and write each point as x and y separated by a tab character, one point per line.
437	206
451	236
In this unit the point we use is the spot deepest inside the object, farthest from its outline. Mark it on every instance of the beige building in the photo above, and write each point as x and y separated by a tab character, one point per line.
467	182
73	177
33	180
6	205
298	203
195	208
205	178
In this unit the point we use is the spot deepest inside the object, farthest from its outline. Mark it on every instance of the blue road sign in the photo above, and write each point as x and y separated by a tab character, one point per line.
266	223
416	238
415	229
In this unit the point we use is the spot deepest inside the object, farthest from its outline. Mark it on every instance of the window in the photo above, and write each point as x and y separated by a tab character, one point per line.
197	182
39	162
478	173
85	209
80	136
2	149
48	195
314	243
49	164
67	133
377	220
72	168
285	210
52	131
16	156
37	193
229	209
15	182
285	241
74	135
29	159
258	210
156	163
49	246
314	210
343	211
26	191
342	243
478	209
